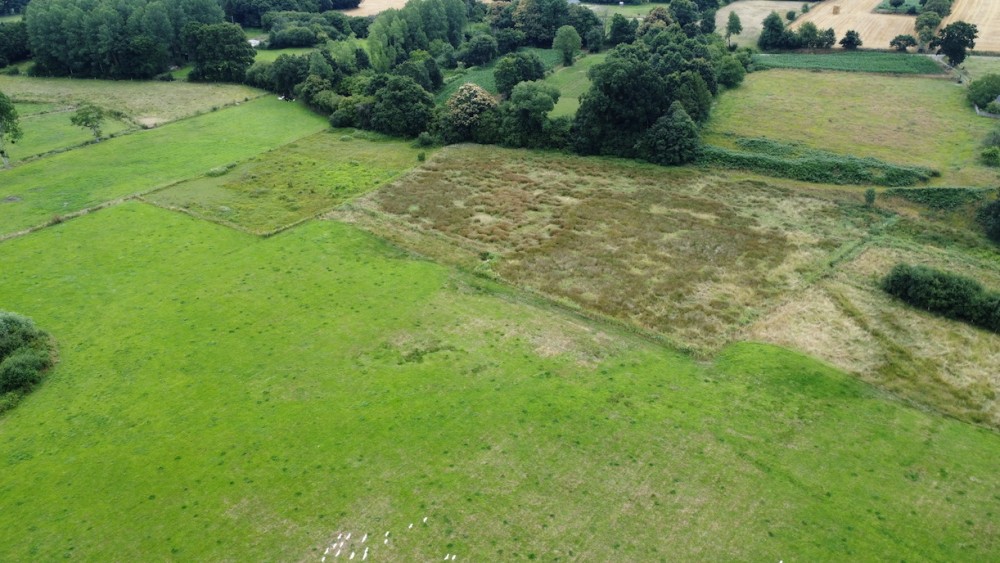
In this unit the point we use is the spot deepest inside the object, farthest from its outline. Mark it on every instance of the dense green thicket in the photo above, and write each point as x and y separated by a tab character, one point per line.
941	199
13	43
799	163
250	13
112	38
305	29
24	354
989	217
220	52
946	294
982	91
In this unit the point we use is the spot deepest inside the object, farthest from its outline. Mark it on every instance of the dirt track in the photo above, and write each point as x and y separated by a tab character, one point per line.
986	15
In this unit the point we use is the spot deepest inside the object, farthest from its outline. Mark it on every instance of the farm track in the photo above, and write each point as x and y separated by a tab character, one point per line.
876	30
986	15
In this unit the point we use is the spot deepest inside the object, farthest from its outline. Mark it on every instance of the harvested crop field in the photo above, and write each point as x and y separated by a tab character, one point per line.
876	30
373	7
752	14
986	15
690	256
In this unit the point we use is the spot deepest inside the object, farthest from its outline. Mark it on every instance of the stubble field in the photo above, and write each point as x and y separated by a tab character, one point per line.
876	30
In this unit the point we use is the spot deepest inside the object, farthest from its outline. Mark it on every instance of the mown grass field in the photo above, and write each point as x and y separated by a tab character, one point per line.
977	67
63	183
572	82
293	182
270	55
856	61
47	128
147	103
221	396
483	76
902	120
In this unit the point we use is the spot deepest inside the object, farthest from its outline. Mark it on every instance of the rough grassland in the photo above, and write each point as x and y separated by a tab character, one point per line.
674	251
293	182
572	82
903	120
33	193
637	11
977	67
147	103
47	128
223	397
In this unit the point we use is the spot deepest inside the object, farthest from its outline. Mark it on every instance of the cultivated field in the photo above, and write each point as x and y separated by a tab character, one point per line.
986	15
147	103
852	61
876	30
293	182
903	120
35	192
221	397
752	14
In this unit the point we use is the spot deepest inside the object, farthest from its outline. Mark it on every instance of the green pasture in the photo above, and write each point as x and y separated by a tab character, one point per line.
47	128
148	103
631	11
898	119
35	192
270	55
293	182
977	66
857	61
221	396
572	82
9	19
483	76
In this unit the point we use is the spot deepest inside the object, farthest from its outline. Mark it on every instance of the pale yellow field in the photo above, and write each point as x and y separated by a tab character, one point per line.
985	14
876	30
752	14
372	7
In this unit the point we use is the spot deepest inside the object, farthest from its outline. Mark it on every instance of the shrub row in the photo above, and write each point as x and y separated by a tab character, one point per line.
24	355
941	199
771	159
946	294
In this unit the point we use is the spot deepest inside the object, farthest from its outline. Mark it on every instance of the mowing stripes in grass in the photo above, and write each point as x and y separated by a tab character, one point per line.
859	61
33	193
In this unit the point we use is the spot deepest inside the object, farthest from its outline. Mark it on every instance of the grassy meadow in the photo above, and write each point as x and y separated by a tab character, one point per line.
977	67
887	117
221	396
853	61
47	128
147	103
270	55
293	182
572	82
71	181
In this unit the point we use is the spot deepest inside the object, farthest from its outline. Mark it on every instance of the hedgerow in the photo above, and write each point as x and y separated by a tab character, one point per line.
783	160
941	199
946	294
25	353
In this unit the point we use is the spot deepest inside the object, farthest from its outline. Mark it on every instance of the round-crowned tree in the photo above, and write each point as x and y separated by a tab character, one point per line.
401	107
25	354
984	90
672	140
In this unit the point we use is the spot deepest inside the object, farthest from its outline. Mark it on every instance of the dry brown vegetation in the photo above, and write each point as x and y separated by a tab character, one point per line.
689	256
876	30
704	260
752	14
985	14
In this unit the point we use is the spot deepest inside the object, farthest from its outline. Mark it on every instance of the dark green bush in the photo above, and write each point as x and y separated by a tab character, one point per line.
990	156
946	294
941	199
24	354
989	218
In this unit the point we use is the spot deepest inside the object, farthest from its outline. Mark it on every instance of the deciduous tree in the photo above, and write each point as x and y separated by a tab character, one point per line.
90	117
955	40
10	128
568	43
